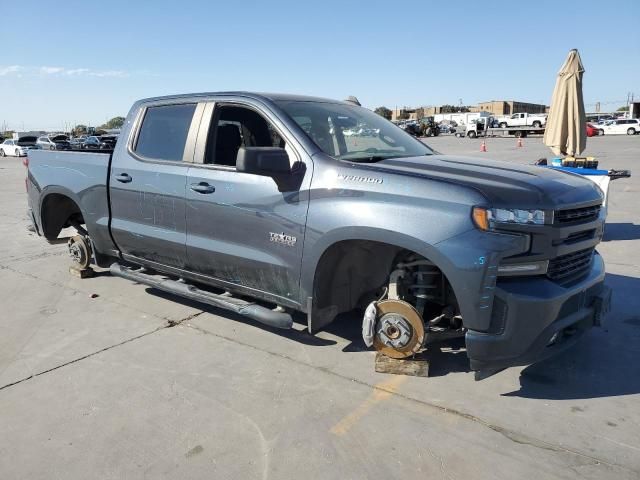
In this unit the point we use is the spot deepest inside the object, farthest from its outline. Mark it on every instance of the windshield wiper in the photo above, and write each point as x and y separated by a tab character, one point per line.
368	159
378	158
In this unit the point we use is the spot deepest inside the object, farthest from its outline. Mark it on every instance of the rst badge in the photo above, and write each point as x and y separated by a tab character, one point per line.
283	239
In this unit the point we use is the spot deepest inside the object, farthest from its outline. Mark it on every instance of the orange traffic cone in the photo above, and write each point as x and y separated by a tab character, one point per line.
520	142
483	147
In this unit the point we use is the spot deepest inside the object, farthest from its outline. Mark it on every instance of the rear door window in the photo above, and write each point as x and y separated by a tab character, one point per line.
164	130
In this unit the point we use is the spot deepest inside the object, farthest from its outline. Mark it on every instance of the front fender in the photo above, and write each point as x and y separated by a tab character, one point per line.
313	254
468	260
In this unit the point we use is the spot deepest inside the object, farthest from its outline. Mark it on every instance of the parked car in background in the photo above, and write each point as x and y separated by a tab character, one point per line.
76	142
17	148
110	140
447	127
601	124
599	118
412	127
99	143
592	130
12	149
55	142
629	126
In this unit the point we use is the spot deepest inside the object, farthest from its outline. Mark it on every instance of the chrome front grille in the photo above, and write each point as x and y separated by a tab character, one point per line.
570	264
583	214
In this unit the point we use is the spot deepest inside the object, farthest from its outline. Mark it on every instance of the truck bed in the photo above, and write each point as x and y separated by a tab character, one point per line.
80	175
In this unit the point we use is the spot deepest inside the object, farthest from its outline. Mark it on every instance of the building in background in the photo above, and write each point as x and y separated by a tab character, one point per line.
418	113
509	107
494	107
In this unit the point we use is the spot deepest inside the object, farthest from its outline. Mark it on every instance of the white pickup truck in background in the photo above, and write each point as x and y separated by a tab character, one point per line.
536	120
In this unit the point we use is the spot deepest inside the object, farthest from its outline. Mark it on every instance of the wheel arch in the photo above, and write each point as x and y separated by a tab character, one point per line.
58	205
340	256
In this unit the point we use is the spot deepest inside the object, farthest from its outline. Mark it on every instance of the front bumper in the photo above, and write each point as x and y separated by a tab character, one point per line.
534	318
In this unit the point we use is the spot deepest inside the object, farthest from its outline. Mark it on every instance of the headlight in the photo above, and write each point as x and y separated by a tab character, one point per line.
486	218
514	215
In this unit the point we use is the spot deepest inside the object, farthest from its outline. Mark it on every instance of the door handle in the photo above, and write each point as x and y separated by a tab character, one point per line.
124	178
203	187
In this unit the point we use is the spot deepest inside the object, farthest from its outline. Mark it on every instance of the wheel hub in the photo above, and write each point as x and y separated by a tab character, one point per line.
79	251
399	329
394	330
75	252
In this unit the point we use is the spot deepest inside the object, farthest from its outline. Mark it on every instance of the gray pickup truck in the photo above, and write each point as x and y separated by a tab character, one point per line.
271	204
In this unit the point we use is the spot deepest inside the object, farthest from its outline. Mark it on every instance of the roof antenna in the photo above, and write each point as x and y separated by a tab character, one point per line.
354	100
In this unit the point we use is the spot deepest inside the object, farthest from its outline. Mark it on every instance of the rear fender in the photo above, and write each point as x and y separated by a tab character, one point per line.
44	195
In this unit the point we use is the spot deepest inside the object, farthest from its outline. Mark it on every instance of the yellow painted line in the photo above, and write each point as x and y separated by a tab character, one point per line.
381	392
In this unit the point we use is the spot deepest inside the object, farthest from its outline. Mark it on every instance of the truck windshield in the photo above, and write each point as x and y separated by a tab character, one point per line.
352	133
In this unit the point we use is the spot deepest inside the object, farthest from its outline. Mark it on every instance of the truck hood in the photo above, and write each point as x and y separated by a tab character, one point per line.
502	183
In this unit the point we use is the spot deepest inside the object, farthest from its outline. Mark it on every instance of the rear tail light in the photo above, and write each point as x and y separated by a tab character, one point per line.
25	161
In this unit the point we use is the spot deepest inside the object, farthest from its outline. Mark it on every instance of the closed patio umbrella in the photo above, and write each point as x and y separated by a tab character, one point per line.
565	132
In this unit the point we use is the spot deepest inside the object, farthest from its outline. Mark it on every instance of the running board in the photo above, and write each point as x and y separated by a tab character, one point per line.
272	318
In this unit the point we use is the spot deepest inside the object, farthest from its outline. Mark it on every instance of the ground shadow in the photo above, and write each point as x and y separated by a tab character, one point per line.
296	334
445	357
604	363
621	231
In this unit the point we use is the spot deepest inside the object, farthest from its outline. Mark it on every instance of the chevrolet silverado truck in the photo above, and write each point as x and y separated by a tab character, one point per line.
262	205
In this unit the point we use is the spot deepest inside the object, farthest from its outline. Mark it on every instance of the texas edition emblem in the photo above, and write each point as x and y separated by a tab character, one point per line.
283	239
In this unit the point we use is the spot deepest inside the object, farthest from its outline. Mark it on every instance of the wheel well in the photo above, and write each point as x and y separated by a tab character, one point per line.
346	272
351	274
57	211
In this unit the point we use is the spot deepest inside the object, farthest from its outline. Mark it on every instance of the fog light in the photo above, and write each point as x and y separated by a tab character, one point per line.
529	268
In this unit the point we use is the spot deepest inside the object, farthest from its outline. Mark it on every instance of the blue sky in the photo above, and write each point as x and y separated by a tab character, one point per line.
79	62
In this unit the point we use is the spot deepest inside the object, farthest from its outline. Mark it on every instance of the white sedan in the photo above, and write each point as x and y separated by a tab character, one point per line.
11	148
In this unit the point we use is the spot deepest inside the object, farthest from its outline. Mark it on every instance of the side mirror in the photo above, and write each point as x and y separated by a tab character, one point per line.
266	161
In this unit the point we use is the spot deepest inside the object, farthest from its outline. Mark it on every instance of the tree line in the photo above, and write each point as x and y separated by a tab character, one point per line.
115	122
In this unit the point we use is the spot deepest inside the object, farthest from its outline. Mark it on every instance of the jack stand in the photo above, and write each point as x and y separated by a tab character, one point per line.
416	366
82	272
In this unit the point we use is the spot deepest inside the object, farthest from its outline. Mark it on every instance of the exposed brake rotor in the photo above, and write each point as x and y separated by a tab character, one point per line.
399	330
79	251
